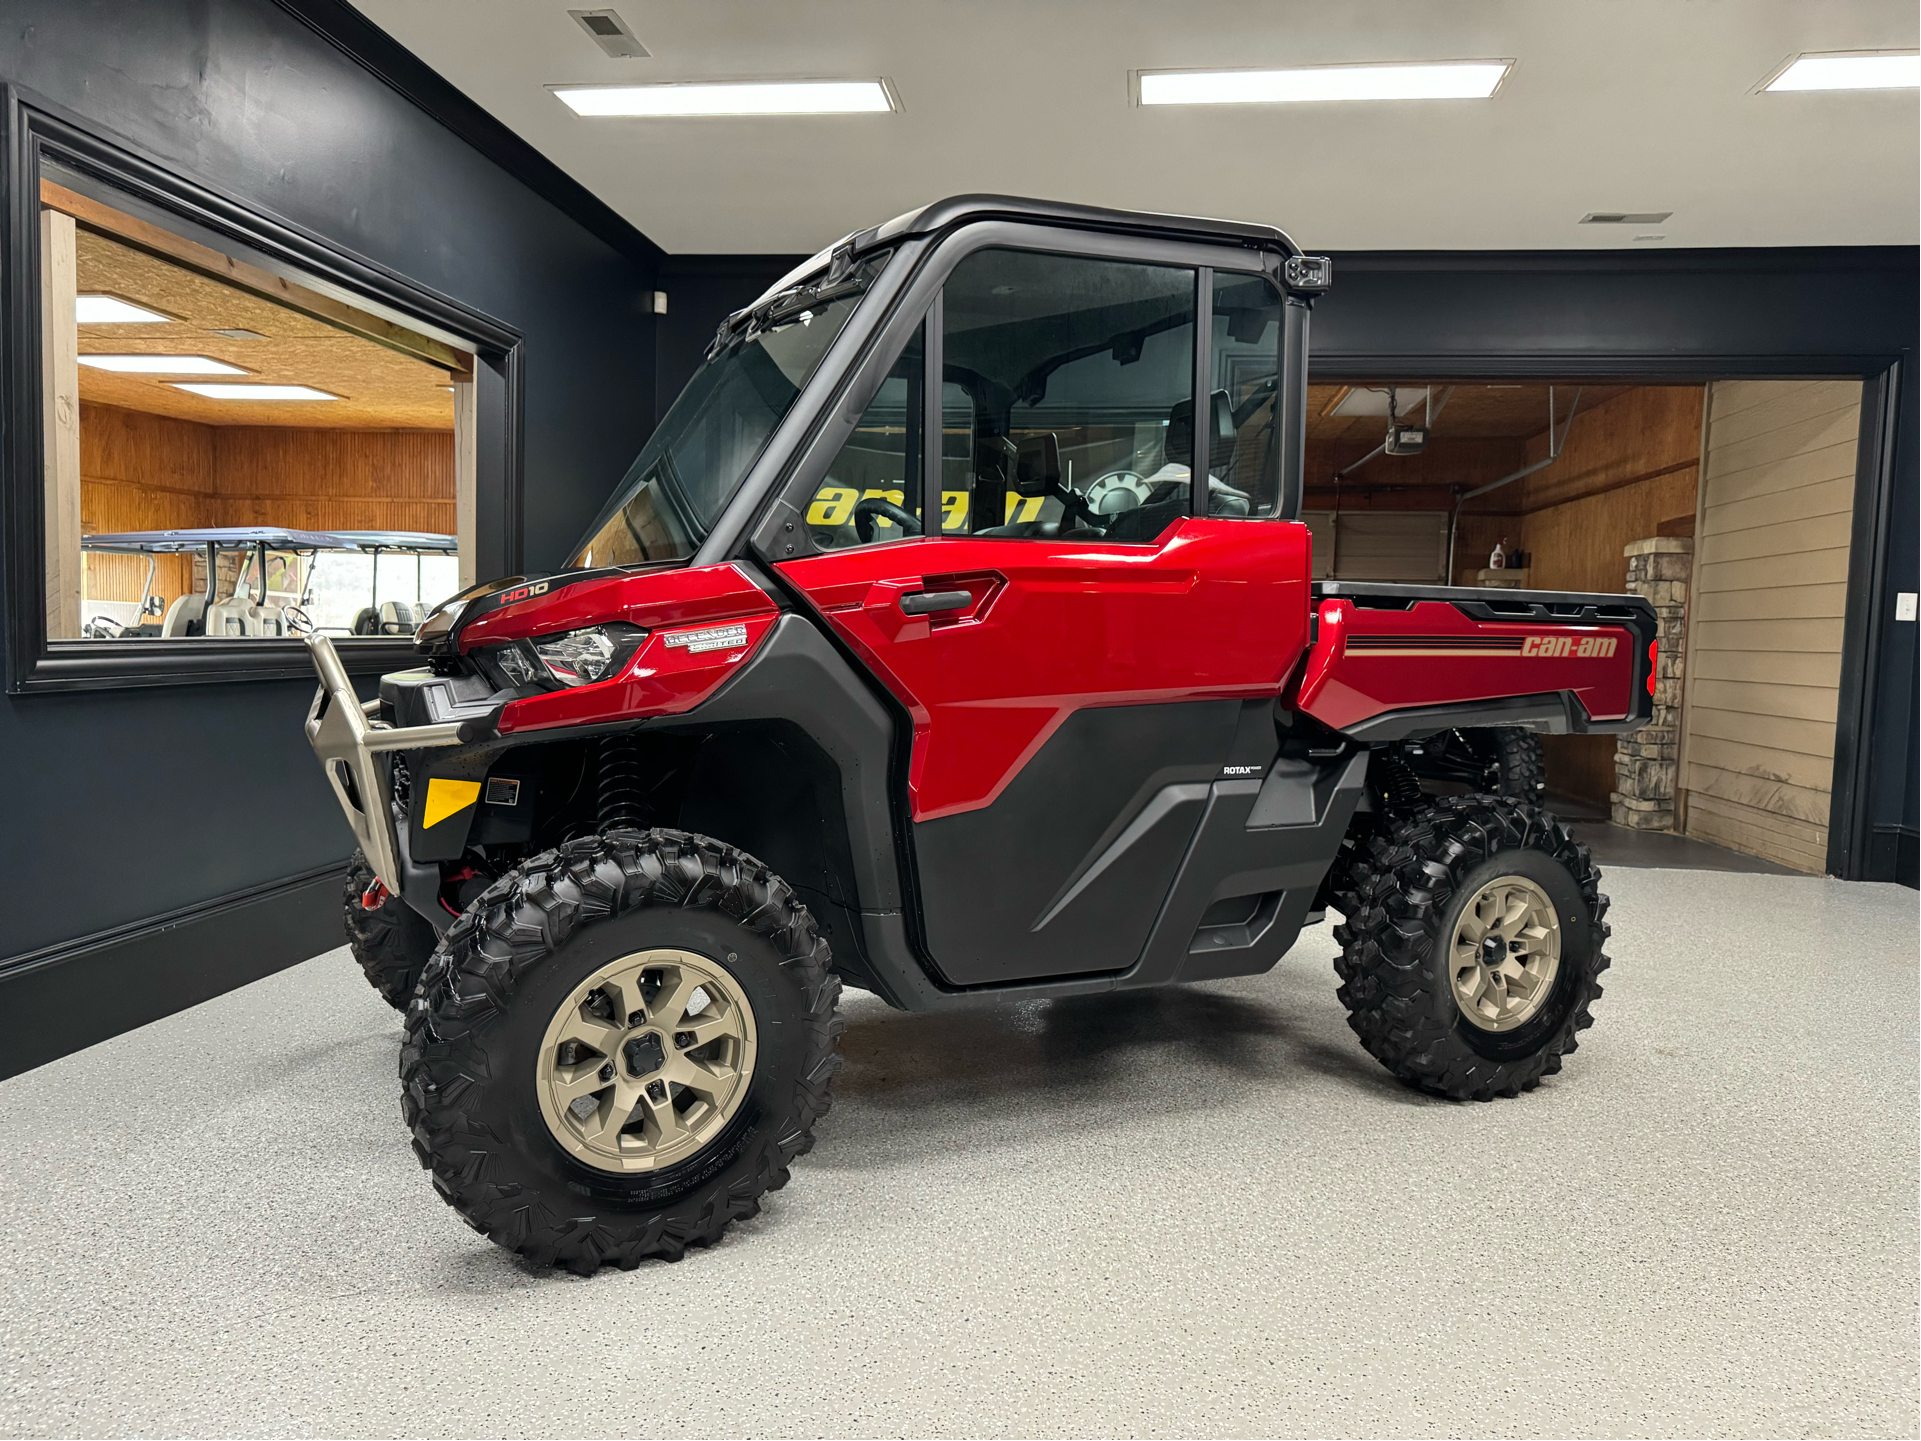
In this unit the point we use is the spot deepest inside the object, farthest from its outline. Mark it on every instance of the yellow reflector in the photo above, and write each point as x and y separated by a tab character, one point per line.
446	798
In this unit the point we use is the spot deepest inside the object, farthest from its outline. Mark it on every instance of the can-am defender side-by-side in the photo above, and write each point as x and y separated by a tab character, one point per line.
953	637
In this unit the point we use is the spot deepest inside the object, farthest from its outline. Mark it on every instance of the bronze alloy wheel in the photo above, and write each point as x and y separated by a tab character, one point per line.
1506	954
646	1061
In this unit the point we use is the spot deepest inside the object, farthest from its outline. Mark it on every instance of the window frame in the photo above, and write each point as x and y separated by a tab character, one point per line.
778	537
36	134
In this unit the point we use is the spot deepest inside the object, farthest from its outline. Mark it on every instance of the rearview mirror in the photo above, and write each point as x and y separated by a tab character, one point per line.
1037	469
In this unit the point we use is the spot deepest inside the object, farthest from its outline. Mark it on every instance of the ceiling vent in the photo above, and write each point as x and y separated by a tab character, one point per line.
1625	217
610	33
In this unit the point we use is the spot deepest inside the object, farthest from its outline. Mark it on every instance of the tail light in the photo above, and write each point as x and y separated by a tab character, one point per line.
1651	646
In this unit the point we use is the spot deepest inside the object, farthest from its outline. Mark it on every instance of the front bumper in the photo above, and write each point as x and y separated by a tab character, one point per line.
352	744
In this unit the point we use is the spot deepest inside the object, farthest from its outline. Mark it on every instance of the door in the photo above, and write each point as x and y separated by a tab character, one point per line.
1079	665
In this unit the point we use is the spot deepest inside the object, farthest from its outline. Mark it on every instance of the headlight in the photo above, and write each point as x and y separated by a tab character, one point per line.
577	657
574	657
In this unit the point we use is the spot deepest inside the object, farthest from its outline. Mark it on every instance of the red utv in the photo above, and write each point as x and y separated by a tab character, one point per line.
952	638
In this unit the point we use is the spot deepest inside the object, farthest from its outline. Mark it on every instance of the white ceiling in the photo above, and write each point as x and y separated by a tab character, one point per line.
1630	105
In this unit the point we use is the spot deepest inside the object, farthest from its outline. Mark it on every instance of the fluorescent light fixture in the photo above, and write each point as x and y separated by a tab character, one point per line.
1445	80
162	364
216	391
731	97
1882	70
111	310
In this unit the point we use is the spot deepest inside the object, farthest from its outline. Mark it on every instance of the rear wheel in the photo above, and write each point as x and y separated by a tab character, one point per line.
389	938
1514	764
621	1047
1473	954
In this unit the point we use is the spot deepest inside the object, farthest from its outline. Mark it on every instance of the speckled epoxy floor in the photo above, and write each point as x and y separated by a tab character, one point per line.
1201	1212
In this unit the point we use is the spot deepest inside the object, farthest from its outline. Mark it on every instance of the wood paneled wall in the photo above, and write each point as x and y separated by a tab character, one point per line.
335	479
148	472
142	472
1764	636
1629	466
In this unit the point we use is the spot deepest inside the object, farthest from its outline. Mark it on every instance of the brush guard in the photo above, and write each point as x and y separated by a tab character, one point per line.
352	744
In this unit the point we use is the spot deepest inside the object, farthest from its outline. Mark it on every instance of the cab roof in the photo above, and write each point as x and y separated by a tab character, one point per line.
958	209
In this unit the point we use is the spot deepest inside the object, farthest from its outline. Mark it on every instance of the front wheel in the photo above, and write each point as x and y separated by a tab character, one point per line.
388	937
620	1048
1473	953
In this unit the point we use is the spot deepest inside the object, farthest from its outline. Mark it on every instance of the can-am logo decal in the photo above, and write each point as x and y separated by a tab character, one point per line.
714	637
1555	645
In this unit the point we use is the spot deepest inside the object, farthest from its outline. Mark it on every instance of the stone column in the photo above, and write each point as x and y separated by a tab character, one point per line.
1644	762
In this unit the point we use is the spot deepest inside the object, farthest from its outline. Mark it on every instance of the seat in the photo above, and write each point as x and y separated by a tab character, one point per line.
231	617
184	617
396	618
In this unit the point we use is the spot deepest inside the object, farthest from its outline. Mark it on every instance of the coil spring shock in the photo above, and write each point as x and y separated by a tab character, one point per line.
1400	788
622	797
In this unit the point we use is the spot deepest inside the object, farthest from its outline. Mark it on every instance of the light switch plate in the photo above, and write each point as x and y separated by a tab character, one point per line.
1904	605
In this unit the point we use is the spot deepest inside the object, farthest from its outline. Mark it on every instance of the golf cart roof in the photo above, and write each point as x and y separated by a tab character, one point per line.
168	541
398	540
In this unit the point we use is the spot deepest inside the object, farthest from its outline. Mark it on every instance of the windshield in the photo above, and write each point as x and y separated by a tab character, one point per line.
698	455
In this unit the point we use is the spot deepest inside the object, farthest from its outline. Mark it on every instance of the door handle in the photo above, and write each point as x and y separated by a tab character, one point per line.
932	602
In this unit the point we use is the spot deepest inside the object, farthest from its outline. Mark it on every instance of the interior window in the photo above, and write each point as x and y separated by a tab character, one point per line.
232	456
872	491
1069	387
1243	452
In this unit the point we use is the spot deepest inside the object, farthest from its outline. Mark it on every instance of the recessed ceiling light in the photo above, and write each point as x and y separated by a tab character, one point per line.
162	364
111	310
742	97
1880	70
216	391
1445	80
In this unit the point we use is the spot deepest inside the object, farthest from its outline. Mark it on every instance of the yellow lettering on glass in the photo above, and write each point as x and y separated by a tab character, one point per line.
832	505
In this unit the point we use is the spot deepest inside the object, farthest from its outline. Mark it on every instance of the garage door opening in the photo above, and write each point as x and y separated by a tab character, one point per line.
1728	505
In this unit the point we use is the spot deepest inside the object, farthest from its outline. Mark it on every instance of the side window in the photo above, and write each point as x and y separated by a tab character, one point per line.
1244	454
1068	398
872	491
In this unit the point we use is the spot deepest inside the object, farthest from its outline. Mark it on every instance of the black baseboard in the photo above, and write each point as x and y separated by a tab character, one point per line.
68	997
1894	854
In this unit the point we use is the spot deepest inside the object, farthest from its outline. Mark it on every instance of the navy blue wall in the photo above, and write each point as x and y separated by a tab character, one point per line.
125	806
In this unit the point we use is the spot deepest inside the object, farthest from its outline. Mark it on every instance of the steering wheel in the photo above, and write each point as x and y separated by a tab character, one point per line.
869	506
103	627
298	621
1118	491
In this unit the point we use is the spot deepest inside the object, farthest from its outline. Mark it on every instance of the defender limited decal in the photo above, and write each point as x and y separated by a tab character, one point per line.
713	637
